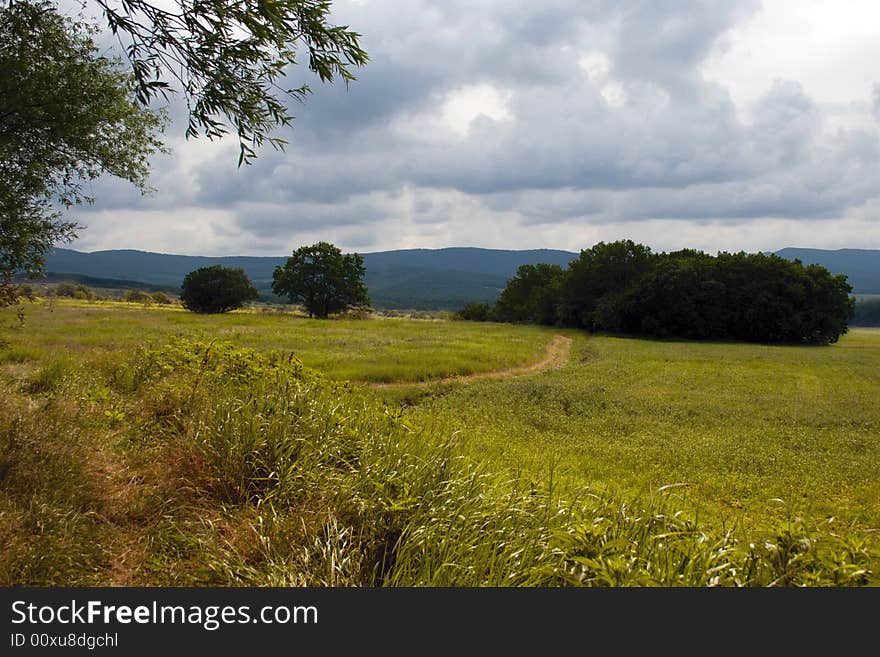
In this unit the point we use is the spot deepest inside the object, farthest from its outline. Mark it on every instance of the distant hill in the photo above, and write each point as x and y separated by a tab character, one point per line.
102	283
862	266
419	279
146	267
426	279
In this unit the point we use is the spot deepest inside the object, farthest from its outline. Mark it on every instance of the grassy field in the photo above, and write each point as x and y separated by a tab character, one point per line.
149	446
359	350
754	434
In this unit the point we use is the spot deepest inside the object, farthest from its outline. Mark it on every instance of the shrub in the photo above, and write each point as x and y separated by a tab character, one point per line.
161	298
138	296
474	312
216	289
357	313
74	291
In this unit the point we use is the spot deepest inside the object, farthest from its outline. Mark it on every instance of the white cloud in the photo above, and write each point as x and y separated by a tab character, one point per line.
831	48
597	66
464	105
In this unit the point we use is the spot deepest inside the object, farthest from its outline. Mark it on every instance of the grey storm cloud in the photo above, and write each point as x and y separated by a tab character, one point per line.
270	220
663	42
638	134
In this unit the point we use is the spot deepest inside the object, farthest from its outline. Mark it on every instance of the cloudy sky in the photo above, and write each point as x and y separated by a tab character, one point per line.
713	124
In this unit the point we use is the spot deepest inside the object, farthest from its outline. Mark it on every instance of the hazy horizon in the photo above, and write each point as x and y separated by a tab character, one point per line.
439	248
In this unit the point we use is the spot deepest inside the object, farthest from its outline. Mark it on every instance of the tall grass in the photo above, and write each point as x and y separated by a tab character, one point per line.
338	490
51	376
49	504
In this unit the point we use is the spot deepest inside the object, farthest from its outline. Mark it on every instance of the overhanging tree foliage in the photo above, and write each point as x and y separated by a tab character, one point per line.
67	115
322	279
216	289
229	58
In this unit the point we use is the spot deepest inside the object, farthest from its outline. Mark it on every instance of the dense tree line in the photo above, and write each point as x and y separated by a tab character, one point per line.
625	287
532	295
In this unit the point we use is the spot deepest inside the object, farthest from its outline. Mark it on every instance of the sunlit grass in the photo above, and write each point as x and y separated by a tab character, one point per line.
380	349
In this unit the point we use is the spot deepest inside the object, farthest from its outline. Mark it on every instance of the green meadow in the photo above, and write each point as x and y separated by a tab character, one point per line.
151	446
746	434
378	350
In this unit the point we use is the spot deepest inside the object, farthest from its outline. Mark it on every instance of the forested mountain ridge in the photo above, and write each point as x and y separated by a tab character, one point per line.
410	278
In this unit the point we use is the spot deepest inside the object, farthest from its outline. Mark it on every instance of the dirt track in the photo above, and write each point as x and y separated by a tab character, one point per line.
557	355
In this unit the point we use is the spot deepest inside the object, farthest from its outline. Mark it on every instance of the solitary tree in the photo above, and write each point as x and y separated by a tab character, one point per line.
322	279
216	289
67	115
